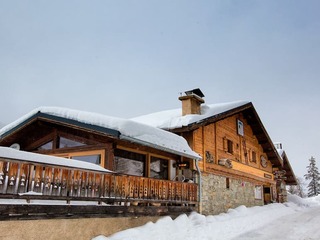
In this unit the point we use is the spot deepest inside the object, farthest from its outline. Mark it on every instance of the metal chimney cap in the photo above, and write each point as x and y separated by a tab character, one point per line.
195	91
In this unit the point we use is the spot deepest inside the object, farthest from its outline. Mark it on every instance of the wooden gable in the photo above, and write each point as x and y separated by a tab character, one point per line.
250	149
250	115
41	127
226	152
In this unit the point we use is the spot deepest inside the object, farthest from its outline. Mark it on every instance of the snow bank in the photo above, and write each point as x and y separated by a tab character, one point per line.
224	226
303	202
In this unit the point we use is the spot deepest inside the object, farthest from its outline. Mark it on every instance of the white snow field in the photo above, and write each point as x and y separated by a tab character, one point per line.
298	219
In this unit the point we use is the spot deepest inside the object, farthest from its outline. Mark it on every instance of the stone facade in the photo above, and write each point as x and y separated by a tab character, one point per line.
221	193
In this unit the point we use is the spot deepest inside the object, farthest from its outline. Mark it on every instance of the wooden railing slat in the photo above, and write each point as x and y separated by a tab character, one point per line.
20	177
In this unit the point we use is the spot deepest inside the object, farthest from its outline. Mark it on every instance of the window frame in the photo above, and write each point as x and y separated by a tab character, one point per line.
230	146
69	155
167	162
118	157
258	191
171	169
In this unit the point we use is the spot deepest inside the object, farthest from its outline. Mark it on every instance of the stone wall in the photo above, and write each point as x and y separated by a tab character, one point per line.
218	195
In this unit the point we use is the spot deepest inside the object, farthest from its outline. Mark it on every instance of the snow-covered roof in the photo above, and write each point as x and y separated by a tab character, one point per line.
10	153
172	119
129	130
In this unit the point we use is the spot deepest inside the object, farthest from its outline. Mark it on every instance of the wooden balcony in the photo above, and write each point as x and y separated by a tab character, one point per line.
93	192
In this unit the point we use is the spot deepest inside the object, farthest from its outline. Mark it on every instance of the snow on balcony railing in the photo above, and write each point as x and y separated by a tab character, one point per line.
36	176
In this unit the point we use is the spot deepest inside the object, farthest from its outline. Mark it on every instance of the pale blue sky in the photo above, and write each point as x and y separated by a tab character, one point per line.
128	58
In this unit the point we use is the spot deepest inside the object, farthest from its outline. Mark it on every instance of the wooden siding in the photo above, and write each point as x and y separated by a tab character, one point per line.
211	140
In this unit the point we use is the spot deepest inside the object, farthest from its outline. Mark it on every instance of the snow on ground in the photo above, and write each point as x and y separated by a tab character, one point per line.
296	220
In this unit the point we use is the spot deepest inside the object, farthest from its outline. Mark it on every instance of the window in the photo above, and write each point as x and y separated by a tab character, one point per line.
46	146
229	146
254	156
158	168
96	159
258	192
227	183
66	143
240	127
130	163
95	156
60	142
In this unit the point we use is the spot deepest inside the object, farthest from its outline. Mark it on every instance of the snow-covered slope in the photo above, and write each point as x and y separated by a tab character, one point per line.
296	220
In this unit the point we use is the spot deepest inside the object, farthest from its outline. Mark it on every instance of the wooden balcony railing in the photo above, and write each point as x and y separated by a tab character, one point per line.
42	181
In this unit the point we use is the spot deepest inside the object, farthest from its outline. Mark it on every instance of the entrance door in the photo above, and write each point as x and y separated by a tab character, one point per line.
266	194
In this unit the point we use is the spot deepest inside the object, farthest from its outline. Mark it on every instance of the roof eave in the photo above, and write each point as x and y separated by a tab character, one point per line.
292	180
70	122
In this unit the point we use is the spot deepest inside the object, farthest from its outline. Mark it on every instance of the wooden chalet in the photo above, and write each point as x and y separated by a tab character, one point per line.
107	166
241	165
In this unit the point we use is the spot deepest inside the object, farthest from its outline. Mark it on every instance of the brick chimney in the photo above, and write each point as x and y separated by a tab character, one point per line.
191	102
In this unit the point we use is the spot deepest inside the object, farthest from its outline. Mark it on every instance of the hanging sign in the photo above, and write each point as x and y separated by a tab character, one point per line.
268	176
182	165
